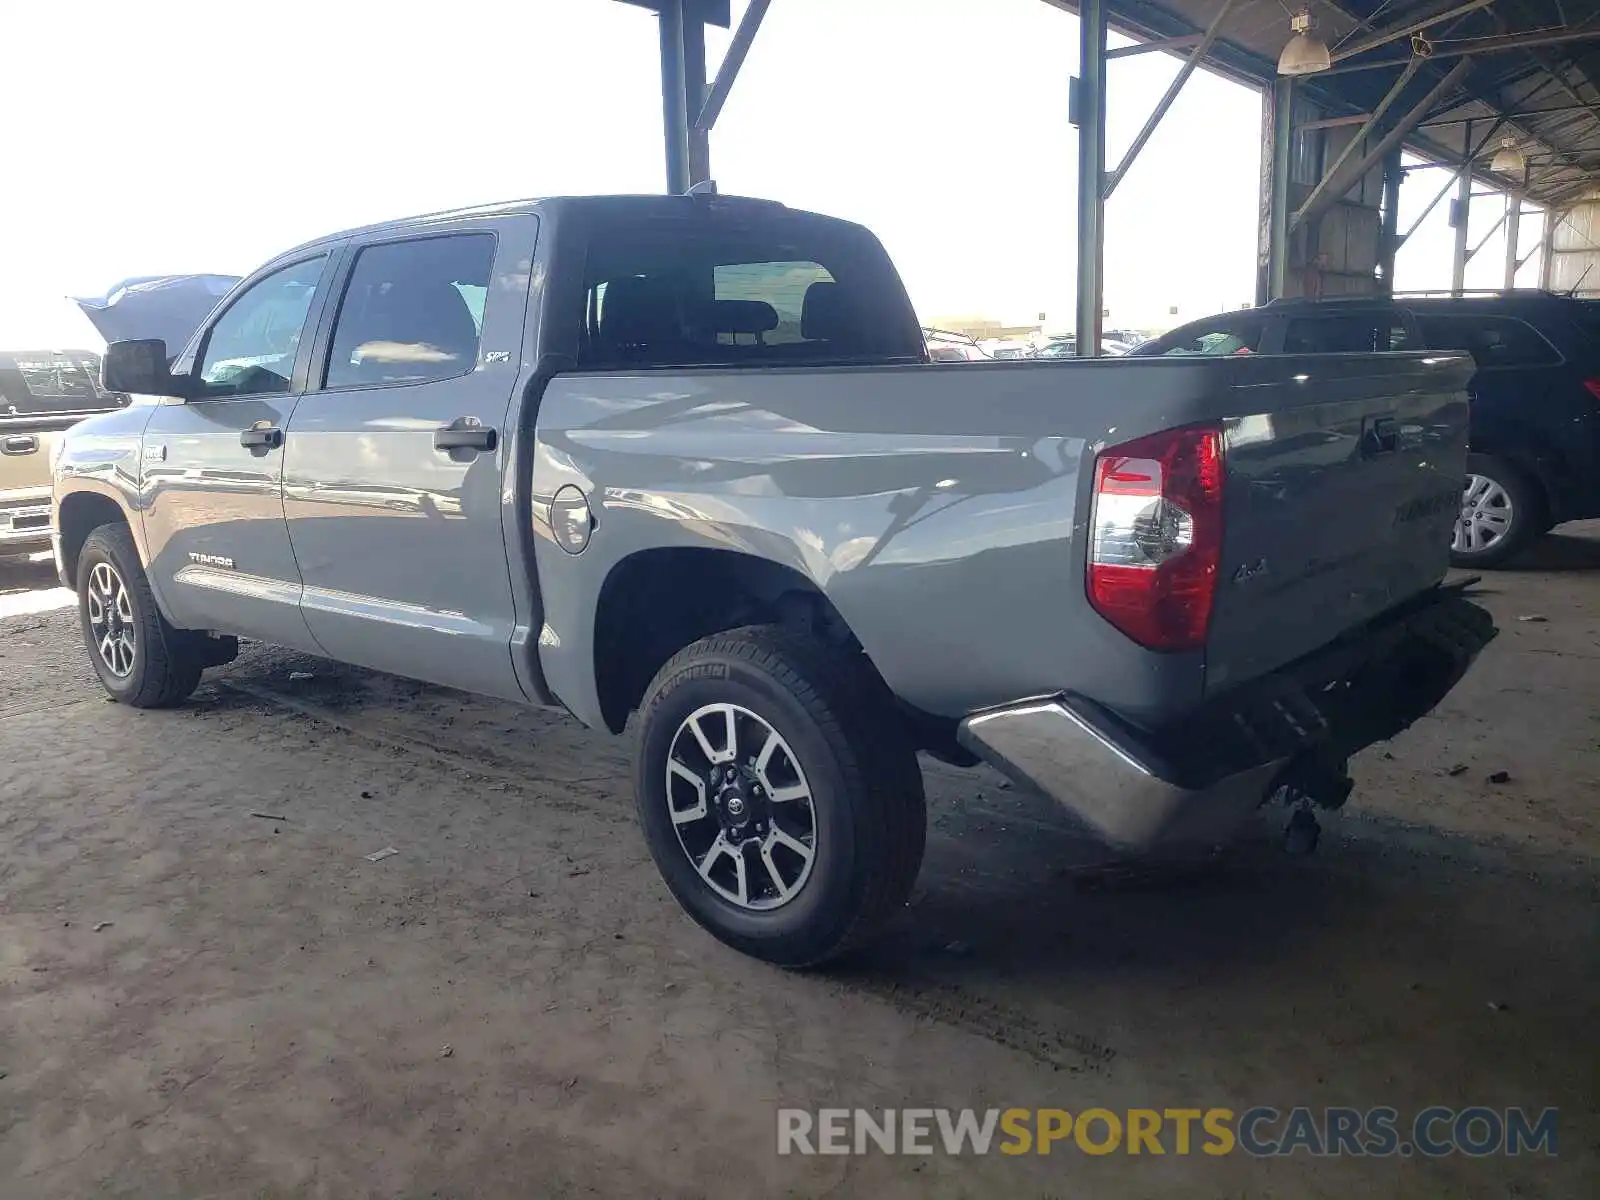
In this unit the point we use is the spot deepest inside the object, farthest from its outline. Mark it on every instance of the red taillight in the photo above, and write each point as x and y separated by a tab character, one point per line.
1594	387
1157	536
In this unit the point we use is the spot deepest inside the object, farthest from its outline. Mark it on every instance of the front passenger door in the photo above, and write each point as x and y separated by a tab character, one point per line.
213	464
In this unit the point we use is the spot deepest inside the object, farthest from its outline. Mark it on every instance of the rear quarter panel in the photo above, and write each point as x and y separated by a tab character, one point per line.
943	512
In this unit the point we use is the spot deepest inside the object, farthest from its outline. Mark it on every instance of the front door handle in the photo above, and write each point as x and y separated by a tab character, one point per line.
465	433
262	437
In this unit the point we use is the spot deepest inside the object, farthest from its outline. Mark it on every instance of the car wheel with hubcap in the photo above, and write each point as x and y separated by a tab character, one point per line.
779	795
1500	513
141	659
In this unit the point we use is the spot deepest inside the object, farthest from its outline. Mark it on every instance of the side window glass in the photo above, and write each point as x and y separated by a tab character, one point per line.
412	312
1492	341
1346	333
251	349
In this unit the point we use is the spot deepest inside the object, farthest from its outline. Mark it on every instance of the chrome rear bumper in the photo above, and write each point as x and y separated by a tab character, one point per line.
1196	780
1058	746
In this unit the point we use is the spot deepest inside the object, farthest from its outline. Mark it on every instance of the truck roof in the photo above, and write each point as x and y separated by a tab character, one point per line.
642	205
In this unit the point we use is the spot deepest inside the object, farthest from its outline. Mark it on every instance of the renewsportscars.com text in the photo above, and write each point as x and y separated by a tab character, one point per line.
1261	1132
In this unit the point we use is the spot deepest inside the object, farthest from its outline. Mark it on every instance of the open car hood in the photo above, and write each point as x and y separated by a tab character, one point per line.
169	307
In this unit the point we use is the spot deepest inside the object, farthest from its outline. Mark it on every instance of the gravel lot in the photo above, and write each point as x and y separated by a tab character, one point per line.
206	989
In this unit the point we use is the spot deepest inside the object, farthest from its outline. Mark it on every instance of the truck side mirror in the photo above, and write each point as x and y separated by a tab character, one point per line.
140	368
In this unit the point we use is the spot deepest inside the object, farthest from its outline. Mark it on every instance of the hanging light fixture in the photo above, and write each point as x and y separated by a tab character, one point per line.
1508	160
1305	53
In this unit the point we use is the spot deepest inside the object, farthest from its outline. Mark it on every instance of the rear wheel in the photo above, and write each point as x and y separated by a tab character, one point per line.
779	795
1501	512
141	660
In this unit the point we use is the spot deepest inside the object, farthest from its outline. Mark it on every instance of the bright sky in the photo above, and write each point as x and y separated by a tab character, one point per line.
165	136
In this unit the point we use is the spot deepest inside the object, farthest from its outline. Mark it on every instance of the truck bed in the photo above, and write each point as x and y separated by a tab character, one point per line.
1342	473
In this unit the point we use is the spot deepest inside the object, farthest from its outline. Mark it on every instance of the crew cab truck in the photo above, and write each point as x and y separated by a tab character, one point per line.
682	462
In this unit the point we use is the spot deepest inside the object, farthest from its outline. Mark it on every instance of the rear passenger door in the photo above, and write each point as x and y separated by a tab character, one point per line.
395	457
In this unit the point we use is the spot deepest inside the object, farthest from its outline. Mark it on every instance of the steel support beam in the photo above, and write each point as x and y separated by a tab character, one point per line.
1278	214
728	72
1313	201
1513	225
1455	177
1395	32
1512	115
1170	43
1460	214
1390	141
1484	240
1091	171
1523	261
1547	266
1462	47
674	103
1389	234
694	94
1196	57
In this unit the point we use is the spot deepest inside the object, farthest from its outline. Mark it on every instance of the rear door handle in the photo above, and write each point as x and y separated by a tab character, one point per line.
1382	436
19	444
268	437
465	433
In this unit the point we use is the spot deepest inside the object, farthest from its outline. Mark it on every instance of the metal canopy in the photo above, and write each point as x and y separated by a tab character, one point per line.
1533	63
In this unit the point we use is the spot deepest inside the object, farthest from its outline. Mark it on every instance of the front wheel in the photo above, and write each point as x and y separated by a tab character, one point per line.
779	795
141	660
1501	512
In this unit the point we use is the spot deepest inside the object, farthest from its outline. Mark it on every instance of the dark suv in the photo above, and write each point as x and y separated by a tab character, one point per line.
1535	458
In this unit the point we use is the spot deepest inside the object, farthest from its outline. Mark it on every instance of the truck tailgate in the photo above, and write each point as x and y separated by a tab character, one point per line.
1343	484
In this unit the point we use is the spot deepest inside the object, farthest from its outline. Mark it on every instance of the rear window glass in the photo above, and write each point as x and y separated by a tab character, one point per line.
43	382
680	293
1492	341
1346	333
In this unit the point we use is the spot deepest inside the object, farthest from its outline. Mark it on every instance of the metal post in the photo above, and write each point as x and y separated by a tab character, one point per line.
1091	171
1547	263
1459	212
1394	175
674	106
1513	225
1278	217
694	91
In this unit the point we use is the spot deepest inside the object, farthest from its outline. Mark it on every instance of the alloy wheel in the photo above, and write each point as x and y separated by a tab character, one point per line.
741	806
111	622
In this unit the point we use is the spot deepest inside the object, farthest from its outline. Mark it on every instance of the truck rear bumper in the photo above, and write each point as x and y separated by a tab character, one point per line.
1195	781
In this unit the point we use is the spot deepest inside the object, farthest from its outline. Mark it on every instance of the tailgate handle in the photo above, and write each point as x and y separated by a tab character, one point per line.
1381	436
19	444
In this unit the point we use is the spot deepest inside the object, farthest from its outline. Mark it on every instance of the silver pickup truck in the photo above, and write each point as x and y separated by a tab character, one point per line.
683	461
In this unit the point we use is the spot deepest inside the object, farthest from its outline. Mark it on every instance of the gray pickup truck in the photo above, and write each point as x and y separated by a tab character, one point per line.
684	461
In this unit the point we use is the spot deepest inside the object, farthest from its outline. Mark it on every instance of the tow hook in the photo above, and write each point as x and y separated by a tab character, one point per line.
1301	835
1309	782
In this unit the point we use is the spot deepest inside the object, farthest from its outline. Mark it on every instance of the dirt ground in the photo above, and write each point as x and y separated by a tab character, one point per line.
206	989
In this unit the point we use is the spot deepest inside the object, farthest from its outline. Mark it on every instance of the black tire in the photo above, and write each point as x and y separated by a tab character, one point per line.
866	800
1524	504
165	662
